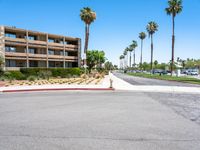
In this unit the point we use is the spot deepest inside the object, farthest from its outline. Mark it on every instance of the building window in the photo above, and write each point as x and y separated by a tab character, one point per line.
61	53
10	49
52	64
51	52
10	63
68	64
66	53
33	63
51	40
32	50
31	37
10	35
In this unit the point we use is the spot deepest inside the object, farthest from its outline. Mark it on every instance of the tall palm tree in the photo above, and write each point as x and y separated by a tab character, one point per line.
175	7
133	46
152	27
125	57
142	36
130	49
88	16
121	61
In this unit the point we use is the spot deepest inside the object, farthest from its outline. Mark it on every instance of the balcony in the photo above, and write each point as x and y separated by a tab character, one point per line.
14	54
71	57
56	56
37	42
15	41
71	46
37	55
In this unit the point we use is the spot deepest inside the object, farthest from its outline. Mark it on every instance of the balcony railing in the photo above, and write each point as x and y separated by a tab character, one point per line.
37	55
71	57
56	56
37	42
15	54
15	40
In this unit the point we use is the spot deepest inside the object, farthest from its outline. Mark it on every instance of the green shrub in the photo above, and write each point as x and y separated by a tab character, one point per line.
1	72
2	78
31	71
44	74
12	75
31	78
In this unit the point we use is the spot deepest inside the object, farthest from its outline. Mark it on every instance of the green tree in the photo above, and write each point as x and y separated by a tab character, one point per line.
133	47
129	49
125	58
108	66
155	63
88	16
95	57
145	66
152	27
174	7
142	36
1	64
121	61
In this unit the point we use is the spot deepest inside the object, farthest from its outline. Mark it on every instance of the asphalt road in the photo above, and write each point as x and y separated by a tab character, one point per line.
95	121
144	81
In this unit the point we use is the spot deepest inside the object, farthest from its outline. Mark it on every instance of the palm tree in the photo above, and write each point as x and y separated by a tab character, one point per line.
121	62
175	7
125	58
128	49
87	16
152	27
142	36
133	46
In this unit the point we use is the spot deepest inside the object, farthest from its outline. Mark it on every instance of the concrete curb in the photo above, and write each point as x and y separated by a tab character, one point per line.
58	89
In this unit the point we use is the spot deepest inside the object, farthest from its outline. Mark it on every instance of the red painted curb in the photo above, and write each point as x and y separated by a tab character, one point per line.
63	89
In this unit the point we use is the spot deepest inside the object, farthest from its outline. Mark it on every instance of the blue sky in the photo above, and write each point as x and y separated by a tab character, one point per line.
118	23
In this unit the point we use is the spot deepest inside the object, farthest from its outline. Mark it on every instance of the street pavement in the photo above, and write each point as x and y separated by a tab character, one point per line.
152	82
110	120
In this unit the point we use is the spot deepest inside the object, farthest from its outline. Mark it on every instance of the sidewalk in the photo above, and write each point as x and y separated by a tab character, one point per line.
119	84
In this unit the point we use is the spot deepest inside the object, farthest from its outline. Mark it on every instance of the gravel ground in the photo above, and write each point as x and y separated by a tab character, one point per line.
187	105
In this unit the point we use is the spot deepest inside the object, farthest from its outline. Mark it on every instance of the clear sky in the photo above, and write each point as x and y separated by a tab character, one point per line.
118	23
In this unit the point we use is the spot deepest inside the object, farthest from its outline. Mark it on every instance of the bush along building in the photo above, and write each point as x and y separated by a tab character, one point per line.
22	48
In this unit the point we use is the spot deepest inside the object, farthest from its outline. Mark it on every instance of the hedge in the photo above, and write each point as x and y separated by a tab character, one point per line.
62	72
14	75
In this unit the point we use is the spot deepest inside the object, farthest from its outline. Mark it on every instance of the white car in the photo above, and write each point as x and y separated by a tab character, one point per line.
193	73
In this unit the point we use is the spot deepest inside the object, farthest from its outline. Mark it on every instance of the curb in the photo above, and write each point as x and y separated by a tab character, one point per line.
59	89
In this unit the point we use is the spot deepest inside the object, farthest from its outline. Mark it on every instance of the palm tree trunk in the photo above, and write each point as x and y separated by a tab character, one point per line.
141	52
134	58
86	42
151	53
173	42
130	60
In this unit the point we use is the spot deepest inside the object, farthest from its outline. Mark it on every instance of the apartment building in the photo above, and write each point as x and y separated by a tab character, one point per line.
26	48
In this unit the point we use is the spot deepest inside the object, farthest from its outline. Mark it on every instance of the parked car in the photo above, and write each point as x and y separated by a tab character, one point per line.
193	73
160	71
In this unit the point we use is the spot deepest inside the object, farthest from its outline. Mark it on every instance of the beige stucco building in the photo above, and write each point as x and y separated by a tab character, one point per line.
26	48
